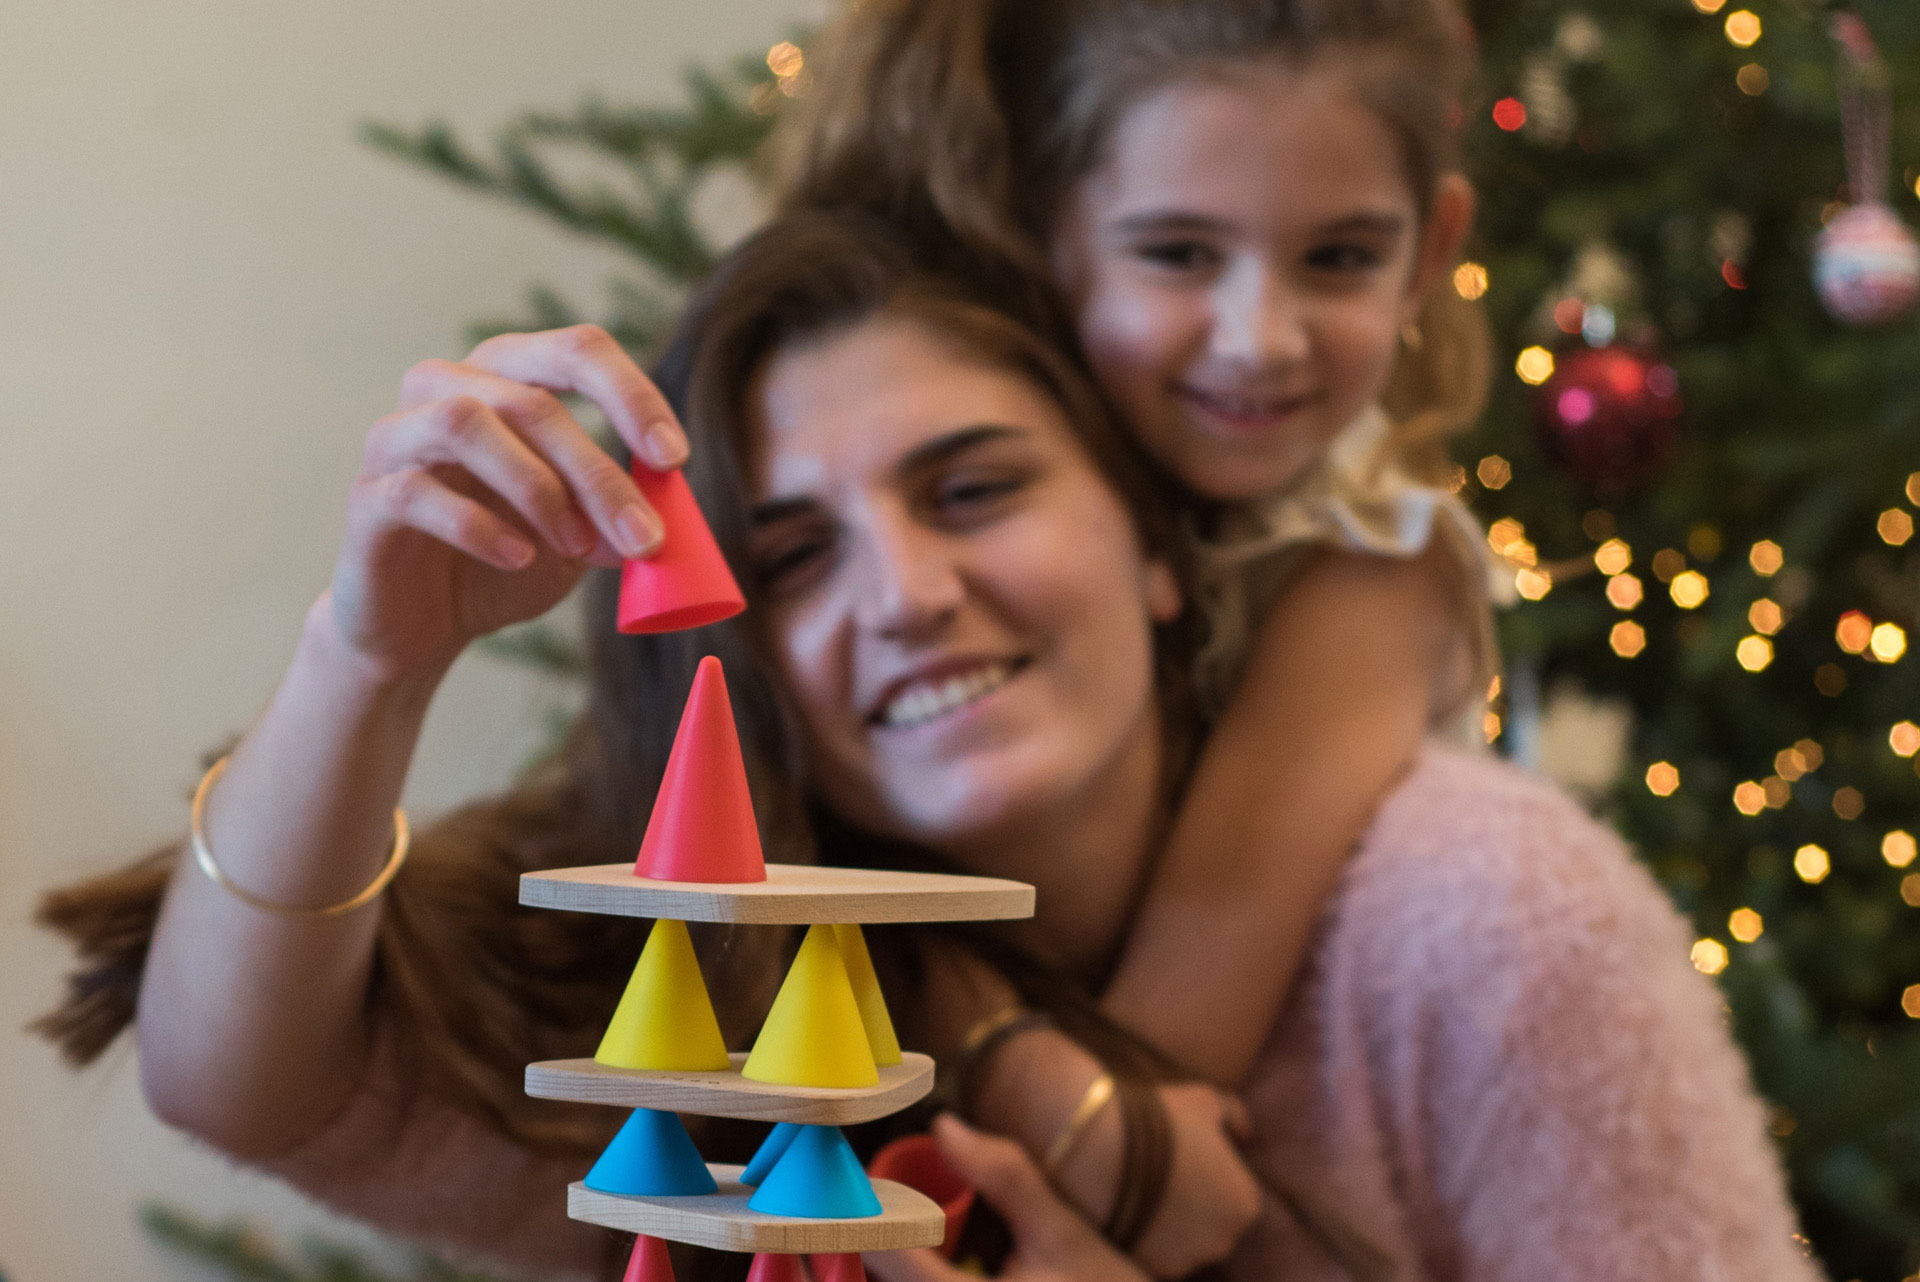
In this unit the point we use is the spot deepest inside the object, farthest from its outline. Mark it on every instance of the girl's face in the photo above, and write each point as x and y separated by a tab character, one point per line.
958	602
1242	263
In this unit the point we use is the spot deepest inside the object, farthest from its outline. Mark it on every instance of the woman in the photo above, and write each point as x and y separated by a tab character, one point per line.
956	612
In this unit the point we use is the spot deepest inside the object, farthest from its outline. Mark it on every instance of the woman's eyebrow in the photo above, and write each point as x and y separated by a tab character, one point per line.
1169	220
945	446
774	511
1379	224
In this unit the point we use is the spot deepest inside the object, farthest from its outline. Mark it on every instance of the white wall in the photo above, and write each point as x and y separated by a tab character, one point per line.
208	290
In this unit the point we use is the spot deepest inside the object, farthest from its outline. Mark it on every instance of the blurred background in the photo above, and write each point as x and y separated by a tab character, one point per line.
231	229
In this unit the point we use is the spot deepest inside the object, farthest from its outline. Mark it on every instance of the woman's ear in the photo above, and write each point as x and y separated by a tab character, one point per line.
1449	220
1164	598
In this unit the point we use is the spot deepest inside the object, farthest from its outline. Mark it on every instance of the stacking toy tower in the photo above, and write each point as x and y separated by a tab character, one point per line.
826	1055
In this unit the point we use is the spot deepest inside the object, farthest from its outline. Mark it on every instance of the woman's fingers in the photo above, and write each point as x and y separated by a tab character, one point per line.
1043	1225
586	359
600	488
466	432
416	499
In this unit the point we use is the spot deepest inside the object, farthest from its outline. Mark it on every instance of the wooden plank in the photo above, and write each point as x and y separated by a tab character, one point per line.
727	1094
724	1222
792	894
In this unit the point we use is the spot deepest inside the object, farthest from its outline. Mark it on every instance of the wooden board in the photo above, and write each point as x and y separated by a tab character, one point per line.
727	1094
792	894
723	1221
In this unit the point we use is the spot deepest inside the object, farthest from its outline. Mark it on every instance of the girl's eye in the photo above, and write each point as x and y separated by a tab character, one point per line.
1178	255
969	494
1344	258
783	563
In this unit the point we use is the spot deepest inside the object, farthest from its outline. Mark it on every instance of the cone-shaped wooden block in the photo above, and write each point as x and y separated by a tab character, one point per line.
814	1035
866	992
649	1261
702	825
686	583
768	1267
665	1020
652	1156
818	1177
845	1267
768	1153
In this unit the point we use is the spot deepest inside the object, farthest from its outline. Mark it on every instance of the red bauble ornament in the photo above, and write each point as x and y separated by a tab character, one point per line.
1608	416
1867	265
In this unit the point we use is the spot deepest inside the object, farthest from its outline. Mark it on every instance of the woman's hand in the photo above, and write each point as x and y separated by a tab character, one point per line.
1212	1198
1051	1243
481	500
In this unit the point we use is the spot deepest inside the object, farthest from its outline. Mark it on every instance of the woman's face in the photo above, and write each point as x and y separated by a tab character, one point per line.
959	605
1241	264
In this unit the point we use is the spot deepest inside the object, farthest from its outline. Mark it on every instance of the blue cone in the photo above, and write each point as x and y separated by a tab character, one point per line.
769	1152
818	1177
652	1156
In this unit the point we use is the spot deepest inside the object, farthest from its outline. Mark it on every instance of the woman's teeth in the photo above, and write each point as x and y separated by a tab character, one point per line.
923	701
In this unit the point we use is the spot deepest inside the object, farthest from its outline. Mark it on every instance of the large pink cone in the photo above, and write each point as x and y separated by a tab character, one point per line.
702	826
767	1267
649	1262
686	583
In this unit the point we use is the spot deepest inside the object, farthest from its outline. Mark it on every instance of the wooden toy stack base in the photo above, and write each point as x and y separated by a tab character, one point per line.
724	1222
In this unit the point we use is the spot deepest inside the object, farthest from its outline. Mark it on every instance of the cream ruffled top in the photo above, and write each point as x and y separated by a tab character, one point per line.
1355	498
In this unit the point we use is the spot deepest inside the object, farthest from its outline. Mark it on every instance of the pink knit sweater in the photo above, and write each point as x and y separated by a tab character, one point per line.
1498	1066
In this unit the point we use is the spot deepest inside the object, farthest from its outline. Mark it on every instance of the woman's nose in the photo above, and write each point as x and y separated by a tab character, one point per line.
1258	322
912	581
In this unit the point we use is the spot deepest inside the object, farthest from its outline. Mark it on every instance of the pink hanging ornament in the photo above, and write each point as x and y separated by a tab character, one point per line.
1866	264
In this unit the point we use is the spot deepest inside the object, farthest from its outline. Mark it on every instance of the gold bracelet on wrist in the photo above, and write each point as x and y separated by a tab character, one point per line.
204	857
1099	1095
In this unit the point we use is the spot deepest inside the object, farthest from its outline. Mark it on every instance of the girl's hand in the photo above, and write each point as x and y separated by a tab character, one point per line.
1051	1243
481	501
1212	1198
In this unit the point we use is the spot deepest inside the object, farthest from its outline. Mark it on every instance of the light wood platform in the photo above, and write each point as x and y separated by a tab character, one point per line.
723	1221
792	894
727	1094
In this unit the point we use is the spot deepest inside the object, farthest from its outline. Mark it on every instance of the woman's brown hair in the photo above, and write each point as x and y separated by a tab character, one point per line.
480	986
975	119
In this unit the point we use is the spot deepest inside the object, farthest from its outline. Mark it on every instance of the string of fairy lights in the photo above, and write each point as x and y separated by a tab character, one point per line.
1856	633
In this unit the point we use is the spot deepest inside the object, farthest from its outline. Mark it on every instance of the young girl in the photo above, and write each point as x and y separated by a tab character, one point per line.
1249	208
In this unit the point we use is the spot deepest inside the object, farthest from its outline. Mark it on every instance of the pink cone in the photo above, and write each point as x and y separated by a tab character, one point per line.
649	1262
686	583
702	825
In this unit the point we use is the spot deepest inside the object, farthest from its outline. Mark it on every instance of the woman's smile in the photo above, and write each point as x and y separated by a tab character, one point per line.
937	691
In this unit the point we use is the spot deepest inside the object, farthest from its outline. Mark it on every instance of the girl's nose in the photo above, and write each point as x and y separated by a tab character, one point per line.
913	585
1257	322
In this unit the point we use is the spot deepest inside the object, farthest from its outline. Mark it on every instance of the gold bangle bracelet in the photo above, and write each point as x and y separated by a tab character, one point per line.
1099	1094
204	857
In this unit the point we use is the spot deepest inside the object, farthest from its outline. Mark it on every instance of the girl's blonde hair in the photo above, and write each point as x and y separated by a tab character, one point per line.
972	120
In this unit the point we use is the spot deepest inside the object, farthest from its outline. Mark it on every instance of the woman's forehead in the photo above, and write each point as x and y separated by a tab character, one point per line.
863	404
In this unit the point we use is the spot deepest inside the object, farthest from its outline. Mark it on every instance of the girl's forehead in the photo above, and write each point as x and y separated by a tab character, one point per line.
1298	141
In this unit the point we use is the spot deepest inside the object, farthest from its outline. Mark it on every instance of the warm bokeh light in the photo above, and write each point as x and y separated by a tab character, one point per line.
1612	557
1904	738
1663	778
1789	764
785	59
1754	653
1913	488
1766	617
1667	563
1888	642
1910	1001
1709	6
1627	638
1504	533
1777	791
1531	583
1743	28
1752	79
1854	631
1510	114
1534	365
1910	889
1848	803
1895	526
1810	752
1490	726
1709	956
1830	679
1749	798
1703	542
1811	863
1625	591
1898	848
1745	925
1470	281
1766	558
1494	472
1689	589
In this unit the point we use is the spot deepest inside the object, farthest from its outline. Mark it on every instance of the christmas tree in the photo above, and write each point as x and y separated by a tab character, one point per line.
1704	483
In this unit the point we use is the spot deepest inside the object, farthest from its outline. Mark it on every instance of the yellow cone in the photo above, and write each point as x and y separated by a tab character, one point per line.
664	1020
813	1035
866	992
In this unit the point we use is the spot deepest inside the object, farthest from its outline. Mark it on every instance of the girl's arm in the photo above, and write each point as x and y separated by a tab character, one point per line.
1337	692
479	503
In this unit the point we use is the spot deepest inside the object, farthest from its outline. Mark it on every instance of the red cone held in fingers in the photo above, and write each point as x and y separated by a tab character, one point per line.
686	583
649	1262
837	1268
702	826
768	1267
